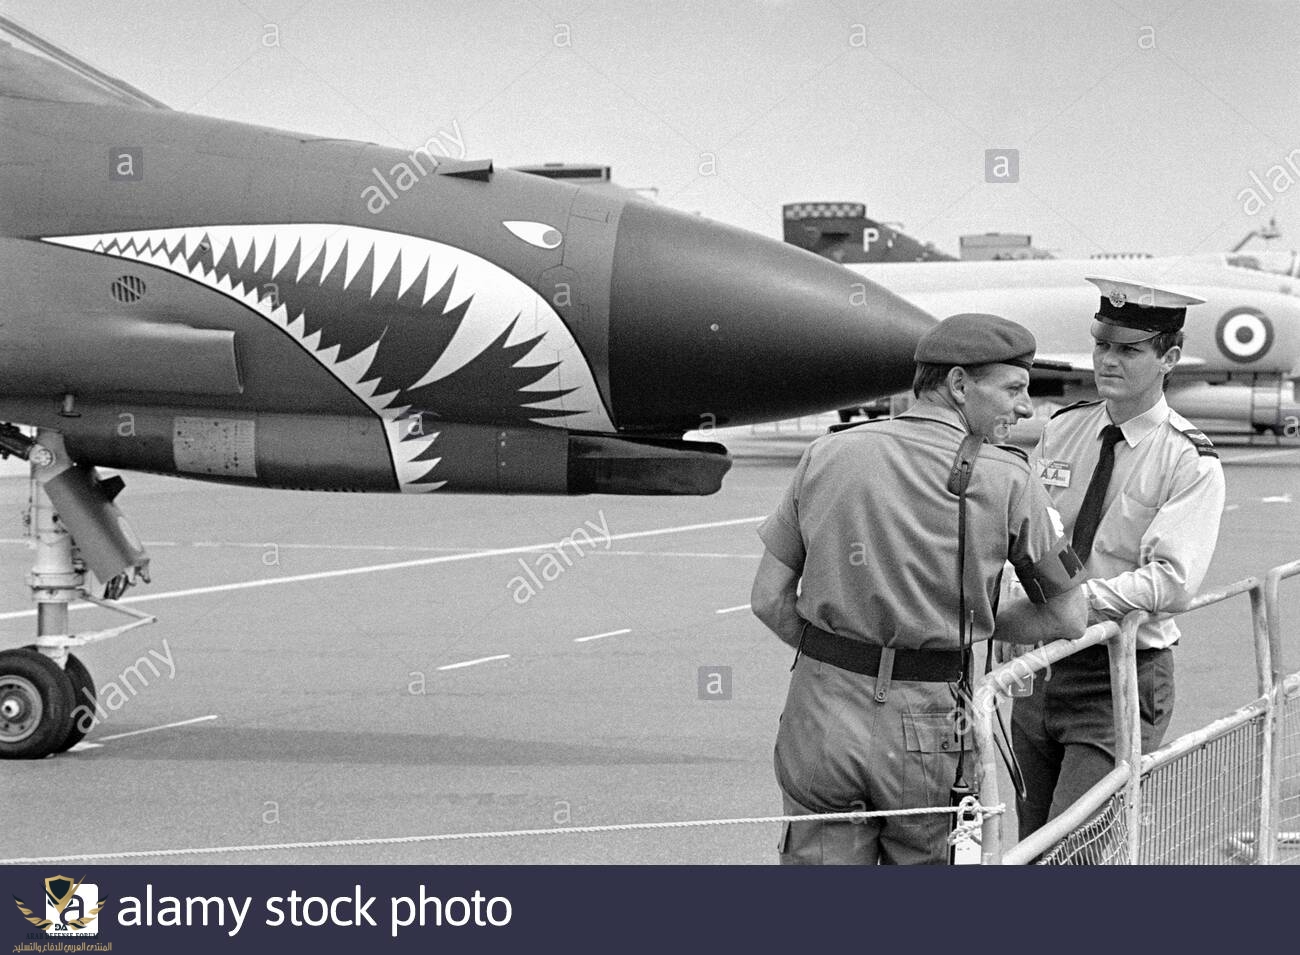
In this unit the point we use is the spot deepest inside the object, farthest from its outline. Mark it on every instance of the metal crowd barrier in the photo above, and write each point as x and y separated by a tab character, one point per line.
1289	777
1228	792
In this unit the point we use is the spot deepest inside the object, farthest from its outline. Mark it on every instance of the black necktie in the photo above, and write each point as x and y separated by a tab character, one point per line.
1085	527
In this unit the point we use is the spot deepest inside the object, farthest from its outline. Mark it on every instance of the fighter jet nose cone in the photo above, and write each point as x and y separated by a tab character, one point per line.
712	324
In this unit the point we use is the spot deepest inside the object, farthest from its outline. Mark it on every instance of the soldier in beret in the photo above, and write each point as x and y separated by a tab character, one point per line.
1141	492
863	575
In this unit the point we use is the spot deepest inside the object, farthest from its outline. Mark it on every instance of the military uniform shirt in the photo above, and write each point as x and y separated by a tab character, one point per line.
869	524
1160	516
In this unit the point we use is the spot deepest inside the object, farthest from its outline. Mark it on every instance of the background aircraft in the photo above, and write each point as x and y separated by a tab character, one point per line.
1242	347
191	296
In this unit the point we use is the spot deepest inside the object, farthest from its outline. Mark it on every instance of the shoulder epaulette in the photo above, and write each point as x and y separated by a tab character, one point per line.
1077	404
1021	453
1204	446
849	425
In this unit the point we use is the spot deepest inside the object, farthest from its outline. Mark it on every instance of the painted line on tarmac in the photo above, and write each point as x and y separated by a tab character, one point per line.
397	565
254	545
733	609
601	636
155	729
667	553
470	663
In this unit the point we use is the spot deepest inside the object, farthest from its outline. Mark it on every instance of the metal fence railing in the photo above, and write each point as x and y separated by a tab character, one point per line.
1101	840
1223	794
1289	774
1200	801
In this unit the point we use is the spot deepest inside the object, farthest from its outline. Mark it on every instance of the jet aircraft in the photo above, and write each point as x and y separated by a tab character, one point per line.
202	298
1242	350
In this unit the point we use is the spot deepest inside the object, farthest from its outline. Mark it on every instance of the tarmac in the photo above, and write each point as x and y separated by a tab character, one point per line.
347	679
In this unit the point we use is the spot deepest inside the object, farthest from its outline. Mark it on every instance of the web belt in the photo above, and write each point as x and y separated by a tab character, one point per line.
857	656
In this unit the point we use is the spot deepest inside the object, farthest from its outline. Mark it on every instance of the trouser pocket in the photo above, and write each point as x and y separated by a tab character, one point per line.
932	747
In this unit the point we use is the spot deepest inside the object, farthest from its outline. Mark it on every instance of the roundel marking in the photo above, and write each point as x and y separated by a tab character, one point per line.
1244	334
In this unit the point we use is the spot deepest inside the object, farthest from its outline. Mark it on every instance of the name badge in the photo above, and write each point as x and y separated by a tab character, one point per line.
1055	473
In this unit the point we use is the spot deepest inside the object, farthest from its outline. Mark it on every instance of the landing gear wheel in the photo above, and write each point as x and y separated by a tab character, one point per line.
83	695
36	705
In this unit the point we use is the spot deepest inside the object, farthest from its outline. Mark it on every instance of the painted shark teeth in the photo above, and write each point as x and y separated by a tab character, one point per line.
266	258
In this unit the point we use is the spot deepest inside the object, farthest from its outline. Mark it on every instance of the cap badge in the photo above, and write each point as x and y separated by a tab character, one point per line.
1117	299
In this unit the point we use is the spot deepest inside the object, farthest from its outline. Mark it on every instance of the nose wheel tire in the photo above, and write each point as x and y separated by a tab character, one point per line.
83	700
36	704
83	703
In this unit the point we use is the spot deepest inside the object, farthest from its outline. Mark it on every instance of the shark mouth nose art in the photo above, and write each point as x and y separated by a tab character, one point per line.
448	334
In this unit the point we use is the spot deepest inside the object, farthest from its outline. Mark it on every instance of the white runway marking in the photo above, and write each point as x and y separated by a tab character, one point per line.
397	565
470	663
733	609
262	545
155	729
600	636
670	553
403	548
255	545
1278	499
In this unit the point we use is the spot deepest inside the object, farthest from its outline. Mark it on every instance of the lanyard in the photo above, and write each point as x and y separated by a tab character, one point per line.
958	482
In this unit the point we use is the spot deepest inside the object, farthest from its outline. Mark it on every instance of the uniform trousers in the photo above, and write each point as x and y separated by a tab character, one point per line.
841	749
1064	734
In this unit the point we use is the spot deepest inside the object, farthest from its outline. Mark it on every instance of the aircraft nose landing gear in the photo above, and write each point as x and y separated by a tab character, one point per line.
47	697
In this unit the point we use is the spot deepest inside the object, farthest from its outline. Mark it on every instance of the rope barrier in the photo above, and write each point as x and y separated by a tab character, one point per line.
972	829
853	816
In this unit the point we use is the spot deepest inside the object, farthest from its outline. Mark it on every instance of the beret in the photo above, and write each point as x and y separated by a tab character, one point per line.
972	338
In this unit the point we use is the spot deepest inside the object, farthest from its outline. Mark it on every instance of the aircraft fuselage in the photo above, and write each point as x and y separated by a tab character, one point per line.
189	295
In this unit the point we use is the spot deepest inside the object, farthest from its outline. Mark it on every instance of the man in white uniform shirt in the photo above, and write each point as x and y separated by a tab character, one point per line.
1140	490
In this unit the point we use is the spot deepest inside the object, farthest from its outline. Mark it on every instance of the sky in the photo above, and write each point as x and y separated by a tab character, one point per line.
1137	126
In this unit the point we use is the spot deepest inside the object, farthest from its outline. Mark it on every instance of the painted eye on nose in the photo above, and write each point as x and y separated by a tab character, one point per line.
535	233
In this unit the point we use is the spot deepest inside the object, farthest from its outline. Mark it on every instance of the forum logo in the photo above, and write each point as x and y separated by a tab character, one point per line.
70	907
